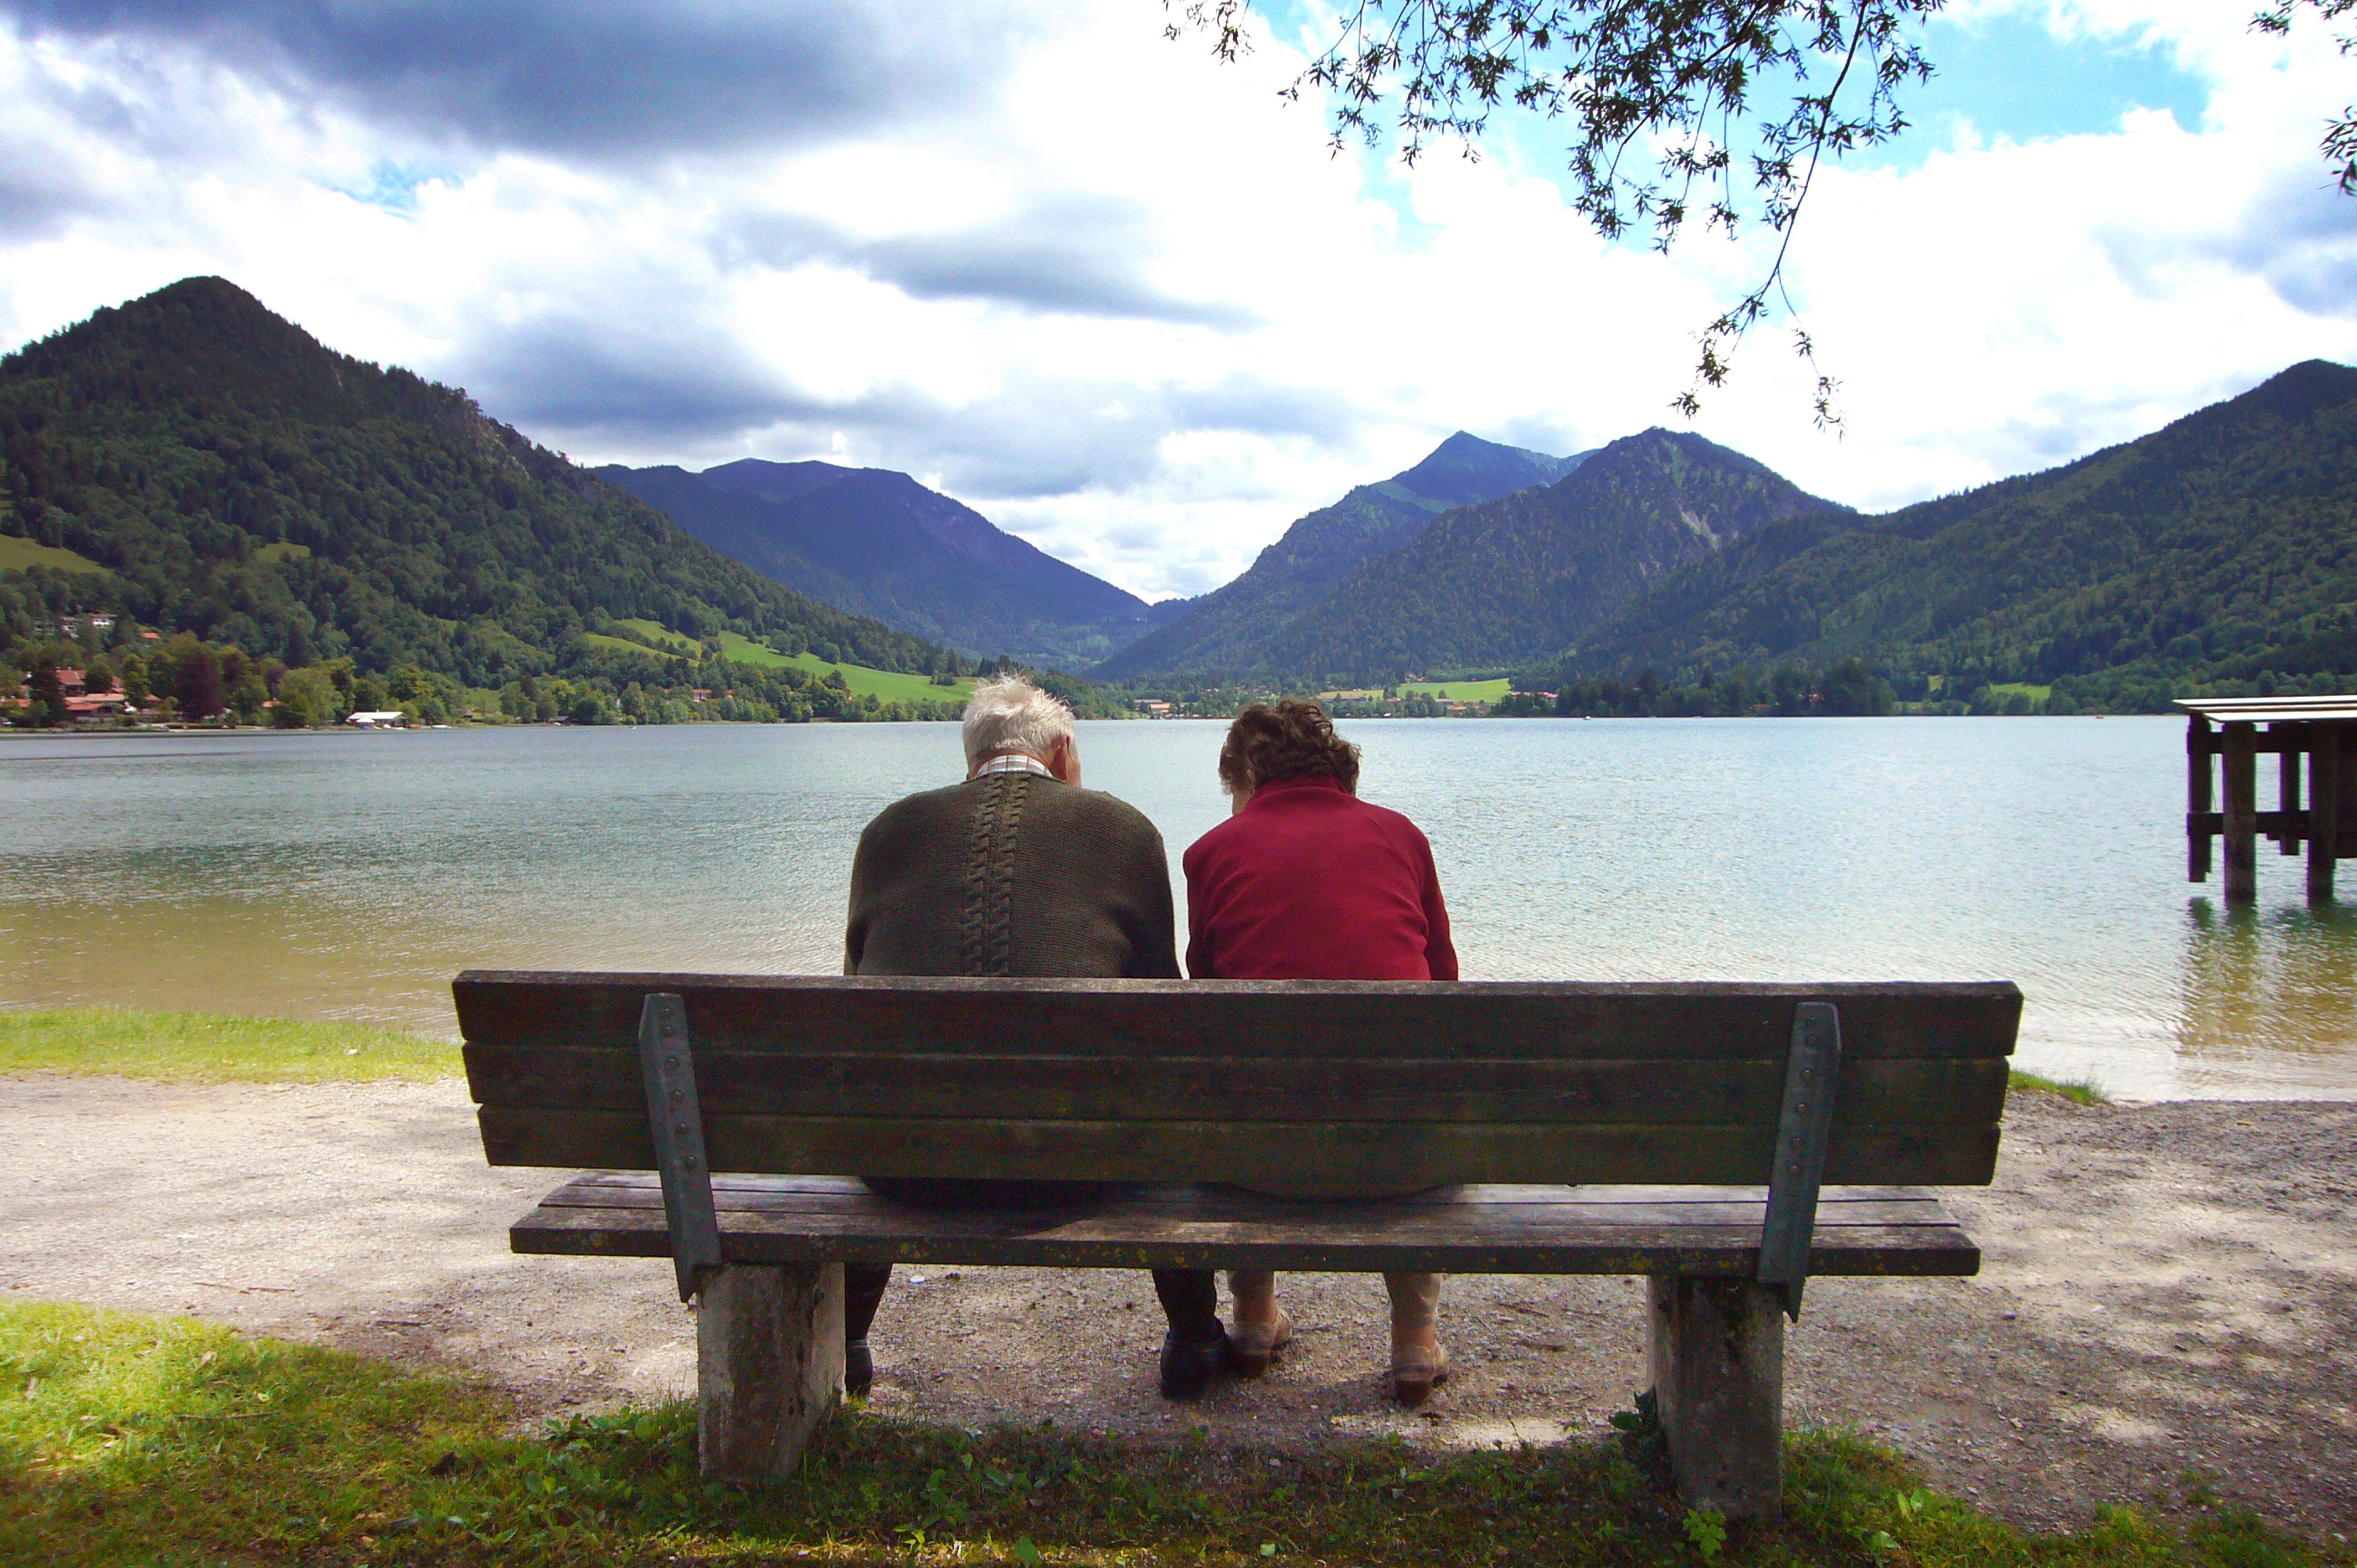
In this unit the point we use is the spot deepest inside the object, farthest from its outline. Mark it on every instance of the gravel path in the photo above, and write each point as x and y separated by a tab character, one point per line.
2167	1288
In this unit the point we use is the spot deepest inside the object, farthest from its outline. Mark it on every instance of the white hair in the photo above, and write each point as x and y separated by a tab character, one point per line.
1012	714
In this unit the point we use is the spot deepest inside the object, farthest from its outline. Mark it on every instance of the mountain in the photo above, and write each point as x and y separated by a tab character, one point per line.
876	543
1228	630
244	482
2221	551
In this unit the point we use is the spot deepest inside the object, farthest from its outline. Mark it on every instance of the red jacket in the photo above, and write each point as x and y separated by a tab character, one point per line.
1310	882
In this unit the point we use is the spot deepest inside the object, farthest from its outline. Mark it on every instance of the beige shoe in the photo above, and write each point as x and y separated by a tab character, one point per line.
1415	1373
1253	1346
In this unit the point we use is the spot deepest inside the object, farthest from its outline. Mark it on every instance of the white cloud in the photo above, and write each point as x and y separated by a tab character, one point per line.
1125	300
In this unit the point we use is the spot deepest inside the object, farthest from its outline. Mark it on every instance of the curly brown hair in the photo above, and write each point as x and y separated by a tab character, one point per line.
1293	739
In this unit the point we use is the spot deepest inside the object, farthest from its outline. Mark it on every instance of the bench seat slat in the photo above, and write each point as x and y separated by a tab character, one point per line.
1329	1153
1433	1088
1565	1209
750	1187
1193	1226
824	1015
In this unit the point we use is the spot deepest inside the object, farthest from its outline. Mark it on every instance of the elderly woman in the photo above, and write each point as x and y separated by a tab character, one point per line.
1306	881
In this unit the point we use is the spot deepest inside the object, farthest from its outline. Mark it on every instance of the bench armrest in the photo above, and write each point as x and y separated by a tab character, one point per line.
1802	1133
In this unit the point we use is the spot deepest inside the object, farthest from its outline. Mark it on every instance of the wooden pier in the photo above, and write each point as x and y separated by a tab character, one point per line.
2312	736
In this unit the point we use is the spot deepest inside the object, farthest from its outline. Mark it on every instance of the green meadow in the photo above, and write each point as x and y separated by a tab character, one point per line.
604	644
1460	690
18	554
885	685
662	636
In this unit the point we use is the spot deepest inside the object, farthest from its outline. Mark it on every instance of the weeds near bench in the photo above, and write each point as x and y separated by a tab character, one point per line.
166	1441
2078	1091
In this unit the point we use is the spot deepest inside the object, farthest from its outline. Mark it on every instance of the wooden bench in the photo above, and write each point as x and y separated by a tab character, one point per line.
1567	1128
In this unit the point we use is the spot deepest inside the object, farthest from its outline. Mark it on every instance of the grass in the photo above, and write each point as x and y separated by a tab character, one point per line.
18	554
283	550
886	685
2080	1091
1460	691
2022	689
604	644
662	636
127	1439
207	1048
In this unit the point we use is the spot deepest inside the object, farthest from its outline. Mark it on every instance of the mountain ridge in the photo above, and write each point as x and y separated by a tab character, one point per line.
876	541
2219	548
1219	632
244	482
1518	578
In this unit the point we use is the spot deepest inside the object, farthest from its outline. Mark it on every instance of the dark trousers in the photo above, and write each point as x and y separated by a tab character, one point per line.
1190	1301
862	1293
1189	1297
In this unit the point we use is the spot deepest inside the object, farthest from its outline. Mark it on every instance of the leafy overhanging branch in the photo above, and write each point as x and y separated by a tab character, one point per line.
2340	144
1672	115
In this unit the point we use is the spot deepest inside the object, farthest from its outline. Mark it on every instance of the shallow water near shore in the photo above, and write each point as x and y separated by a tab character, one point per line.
349	876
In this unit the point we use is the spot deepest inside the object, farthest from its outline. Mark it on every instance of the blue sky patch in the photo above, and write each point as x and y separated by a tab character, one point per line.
2011	78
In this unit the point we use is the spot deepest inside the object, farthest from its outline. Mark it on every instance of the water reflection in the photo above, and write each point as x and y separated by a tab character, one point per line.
2270	999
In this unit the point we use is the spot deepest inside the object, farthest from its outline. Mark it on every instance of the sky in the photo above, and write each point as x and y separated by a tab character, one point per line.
1125	299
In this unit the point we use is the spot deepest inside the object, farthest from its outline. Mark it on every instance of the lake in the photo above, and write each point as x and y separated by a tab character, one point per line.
349	876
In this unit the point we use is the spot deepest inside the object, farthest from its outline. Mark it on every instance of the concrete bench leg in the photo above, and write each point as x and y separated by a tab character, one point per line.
1716	1350
769	1366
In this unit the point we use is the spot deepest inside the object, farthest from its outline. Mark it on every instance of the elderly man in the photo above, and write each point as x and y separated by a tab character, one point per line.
1017	871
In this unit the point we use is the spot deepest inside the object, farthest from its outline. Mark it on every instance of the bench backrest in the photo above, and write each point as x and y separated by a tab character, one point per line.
1315	1082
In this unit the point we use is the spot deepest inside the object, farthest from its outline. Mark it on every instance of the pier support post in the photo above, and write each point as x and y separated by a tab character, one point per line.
2323	808
2290	738
2238	757
2198	805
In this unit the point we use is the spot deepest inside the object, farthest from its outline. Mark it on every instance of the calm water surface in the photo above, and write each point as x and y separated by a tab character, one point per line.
351	875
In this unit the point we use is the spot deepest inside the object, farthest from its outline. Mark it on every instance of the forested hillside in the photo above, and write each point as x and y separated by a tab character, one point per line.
241	482
878	542
2218	553
1518	578
1228	632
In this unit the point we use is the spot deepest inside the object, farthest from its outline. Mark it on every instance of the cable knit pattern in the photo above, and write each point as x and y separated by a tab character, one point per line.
990	872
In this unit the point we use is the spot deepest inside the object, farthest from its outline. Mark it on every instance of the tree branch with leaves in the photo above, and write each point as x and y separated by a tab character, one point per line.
1719	112
2340	144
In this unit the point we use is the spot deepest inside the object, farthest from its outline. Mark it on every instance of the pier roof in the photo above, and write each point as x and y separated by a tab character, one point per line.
2269	709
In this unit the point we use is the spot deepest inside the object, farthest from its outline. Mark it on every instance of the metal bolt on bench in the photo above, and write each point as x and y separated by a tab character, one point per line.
1562	1128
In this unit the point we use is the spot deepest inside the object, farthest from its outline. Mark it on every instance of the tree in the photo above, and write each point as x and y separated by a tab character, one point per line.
1669	121
1673	117
293	709
246	698
198	682
306	696
45	696
2340	143
1850	687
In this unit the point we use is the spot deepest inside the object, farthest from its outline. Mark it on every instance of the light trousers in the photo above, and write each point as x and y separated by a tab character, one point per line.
1415	1298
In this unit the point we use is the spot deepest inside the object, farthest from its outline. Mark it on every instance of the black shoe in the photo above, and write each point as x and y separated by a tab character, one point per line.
1189	1365
858	1368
